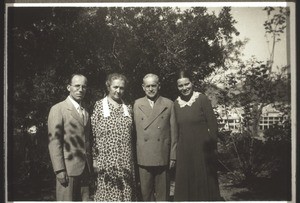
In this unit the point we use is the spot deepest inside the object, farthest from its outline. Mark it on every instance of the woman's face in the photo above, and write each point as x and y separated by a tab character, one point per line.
116	89
185	86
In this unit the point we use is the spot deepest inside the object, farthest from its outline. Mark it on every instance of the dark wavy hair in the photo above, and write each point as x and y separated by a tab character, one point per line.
184	73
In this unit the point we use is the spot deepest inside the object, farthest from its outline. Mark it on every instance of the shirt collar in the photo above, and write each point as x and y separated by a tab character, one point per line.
150	101
76	105
106	110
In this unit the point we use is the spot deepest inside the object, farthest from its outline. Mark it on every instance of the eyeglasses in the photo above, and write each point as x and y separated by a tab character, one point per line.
77	87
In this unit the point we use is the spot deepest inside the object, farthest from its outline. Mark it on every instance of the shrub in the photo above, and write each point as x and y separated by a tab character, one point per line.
247	158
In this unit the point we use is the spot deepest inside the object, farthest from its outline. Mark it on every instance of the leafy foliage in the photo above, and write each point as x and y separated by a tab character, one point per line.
95	41
253	87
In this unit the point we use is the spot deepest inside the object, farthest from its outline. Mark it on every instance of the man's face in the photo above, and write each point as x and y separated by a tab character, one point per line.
151	87
77	88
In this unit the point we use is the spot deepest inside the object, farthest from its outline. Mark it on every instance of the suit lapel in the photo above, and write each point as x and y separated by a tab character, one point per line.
159	107
145	107
73	111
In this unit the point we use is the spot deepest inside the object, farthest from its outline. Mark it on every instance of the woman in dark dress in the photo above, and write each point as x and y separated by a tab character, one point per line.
196	175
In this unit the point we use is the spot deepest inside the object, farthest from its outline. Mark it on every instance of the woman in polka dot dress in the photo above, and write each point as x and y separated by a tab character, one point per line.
113	153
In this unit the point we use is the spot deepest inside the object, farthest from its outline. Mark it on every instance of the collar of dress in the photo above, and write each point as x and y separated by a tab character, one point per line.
193	98
106	111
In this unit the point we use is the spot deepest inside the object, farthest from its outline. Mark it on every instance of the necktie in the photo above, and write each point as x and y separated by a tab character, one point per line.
151	103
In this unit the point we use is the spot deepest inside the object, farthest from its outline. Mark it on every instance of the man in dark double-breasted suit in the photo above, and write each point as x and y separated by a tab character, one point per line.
156	130
69	143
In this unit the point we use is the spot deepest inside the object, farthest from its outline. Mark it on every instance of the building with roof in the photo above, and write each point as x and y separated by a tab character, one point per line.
231	118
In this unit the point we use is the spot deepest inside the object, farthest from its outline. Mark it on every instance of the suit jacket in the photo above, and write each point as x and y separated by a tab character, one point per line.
69	139
156	131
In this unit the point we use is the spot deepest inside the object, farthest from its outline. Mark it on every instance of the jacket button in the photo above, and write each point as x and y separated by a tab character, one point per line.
142	118
158	139
158	127
146	140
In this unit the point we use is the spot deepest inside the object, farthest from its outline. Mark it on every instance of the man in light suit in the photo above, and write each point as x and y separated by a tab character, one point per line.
69	143
156	130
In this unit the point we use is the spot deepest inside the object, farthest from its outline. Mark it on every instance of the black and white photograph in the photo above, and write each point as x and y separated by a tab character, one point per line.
150	101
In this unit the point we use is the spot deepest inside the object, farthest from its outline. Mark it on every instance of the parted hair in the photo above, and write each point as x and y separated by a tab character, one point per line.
114	76
184	73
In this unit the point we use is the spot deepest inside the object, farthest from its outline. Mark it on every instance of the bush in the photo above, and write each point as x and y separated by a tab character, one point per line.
247	158
31	165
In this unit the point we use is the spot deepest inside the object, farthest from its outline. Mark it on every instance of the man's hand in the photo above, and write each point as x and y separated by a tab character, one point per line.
63	178
172	164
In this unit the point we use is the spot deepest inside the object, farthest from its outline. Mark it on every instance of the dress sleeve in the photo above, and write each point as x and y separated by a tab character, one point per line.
174	133
210	117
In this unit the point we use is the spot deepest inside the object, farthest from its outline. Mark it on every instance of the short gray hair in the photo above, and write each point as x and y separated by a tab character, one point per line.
151	75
